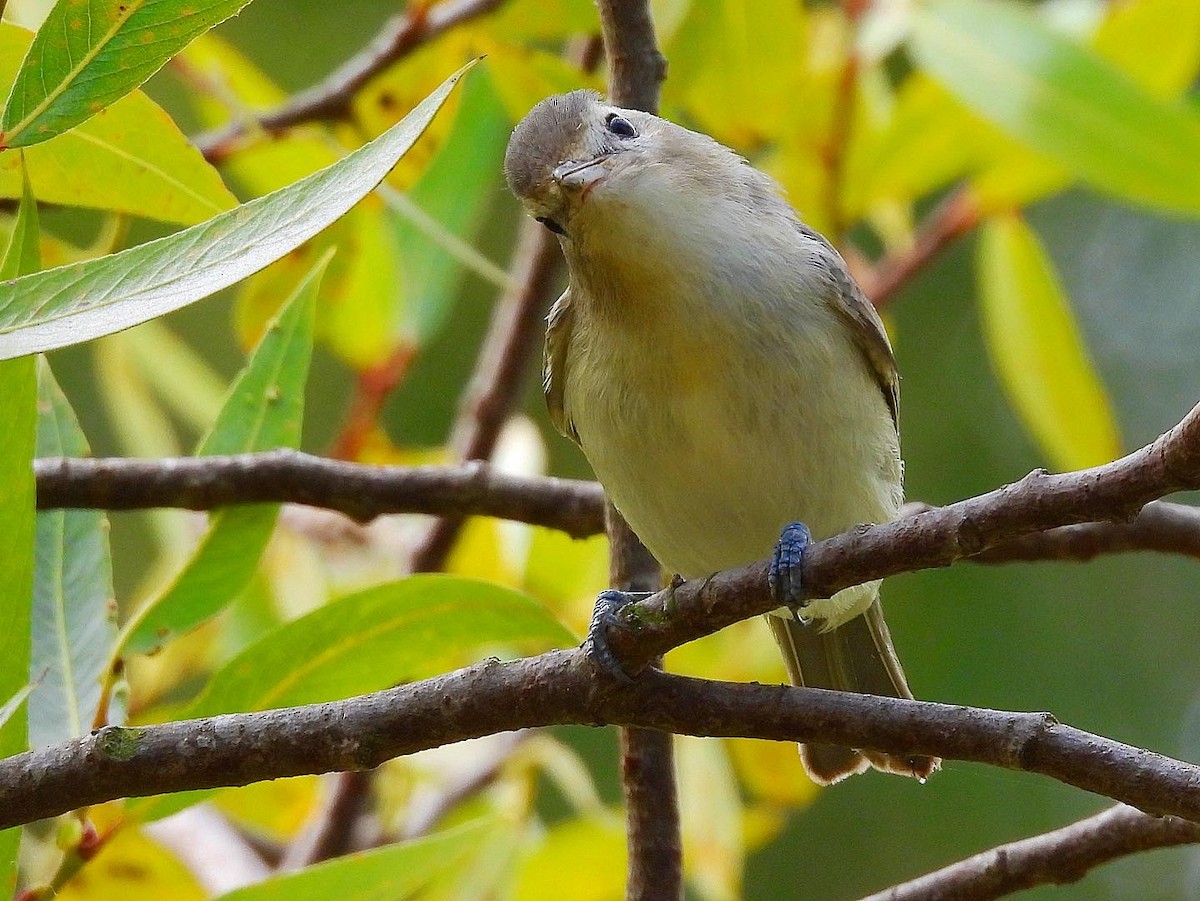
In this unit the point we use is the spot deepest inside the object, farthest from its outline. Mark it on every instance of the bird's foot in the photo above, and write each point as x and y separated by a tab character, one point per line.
785	575
607	615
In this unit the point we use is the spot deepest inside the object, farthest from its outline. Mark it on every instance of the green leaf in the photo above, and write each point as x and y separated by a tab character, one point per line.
90	53
1063	100
1037	350
18	412
401	631
74	612
264	410
76	303
456	191
577	858
23	254
13	704
384	874
133	159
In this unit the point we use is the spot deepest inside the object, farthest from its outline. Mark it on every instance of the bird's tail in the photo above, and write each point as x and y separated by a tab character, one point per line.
856	656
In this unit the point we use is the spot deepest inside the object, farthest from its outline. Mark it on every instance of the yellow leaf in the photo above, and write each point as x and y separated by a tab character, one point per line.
130	158
1156	42
771	770
1037	350
710	808
132	866
737	68
577	860
278	808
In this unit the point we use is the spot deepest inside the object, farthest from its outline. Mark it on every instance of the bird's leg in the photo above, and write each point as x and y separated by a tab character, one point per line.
606	615
785	576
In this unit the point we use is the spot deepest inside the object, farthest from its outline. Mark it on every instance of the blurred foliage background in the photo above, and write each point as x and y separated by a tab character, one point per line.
1060	331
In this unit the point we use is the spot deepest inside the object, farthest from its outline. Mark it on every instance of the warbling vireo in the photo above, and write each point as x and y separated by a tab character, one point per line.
721	371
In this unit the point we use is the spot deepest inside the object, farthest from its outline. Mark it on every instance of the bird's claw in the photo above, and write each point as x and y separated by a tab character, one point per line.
606	615
786	573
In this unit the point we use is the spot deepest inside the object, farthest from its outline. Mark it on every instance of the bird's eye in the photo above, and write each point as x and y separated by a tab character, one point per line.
620	126
551	224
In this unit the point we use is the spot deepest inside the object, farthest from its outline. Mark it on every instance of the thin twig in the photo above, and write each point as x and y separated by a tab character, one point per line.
653	831
330	831
576	507
1054	858
331	98
954	217
359	491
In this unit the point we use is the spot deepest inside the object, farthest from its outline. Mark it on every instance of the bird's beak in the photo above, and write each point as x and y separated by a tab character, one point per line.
578	175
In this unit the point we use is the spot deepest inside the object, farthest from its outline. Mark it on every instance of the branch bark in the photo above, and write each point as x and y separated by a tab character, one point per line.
331	98
285	476
1054	858
562	687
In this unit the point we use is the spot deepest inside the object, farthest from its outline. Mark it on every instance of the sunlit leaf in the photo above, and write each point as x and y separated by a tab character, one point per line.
132	865
77	303
1063	100
456	191
1037	349
382	874
1155	42
738	67
523	75
131	159
263	410
580	859
18	412
90	53
710	811
74	611
397	632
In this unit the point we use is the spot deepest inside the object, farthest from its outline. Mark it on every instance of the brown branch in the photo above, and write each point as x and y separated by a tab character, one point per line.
653	832
1162	526
285	476
953	218
636	68
496	386
364	492
1055	858
562	687
331	98
330	831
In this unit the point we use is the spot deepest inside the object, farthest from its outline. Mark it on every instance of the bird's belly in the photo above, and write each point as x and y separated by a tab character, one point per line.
707	471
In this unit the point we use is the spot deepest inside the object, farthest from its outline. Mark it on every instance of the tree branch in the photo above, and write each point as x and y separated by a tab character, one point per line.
359	491
1055	858
953	218
331	97
562	687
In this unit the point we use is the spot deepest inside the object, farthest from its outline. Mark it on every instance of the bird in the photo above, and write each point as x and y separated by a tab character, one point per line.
727	380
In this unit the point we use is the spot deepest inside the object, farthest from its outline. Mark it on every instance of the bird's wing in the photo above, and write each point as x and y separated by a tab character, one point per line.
869	334
554	370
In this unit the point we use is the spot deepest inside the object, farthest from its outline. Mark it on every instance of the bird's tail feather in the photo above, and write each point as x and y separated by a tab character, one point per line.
856	656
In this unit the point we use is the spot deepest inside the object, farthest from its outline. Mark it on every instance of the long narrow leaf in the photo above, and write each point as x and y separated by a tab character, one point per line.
88	54
74	614
76	303
1063	100
263	411
18	412
1037	349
